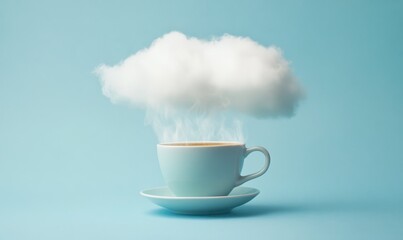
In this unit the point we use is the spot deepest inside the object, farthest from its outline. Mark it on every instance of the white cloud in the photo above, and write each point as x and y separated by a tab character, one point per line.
226	73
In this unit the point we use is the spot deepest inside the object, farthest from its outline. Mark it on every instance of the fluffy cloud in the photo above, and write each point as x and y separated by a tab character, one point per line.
226	73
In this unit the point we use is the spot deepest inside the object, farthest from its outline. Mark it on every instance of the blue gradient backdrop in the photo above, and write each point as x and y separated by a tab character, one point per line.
72	163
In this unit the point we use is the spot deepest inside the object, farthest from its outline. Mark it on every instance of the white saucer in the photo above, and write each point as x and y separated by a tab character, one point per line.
163	197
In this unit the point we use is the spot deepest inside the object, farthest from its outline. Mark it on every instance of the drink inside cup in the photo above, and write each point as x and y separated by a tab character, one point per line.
205	168
201	144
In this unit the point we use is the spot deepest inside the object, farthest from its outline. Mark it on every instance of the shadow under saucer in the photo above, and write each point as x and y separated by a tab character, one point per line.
250	210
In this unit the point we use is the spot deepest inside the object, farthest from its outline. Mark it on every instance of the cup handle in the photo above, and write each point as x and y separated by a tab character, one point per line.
243	179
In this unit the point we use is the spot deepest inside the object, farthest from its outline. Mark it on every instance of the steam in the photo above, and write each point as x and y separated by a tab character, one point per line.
187	126
184	83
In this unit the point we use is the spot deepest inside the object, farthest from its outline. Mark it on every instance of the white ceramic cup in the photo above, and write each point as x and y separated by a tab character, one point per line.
206	168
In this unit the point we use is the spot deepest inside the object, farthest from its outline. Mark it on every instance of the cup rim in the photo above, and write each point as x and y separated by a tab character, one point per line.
189	144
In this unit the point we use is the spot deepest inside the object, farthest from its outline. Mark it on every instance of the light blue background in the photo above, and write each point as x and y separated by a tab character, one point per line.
72	163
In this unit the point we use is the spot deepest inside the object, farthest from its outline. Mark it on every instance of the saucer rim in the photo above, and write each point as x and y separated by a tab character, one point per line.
255	193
